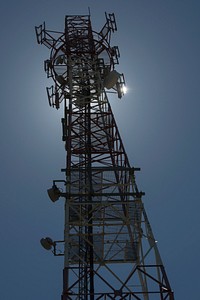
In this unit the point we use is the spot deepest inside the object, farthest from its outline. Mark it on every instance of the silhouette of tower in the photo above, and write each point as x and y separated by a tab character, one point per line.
108	246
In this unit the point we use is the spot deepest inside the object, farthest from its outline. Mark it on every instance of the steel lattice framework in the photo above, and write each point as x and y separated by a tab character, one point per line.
108	247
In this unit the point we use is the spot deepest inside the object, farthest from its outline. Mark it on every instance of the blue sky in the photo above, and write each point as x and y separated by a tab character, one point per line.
158	120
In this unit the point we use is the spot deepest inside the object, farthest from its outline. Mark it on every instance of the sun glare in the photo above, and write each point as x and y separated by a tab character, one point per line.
124	89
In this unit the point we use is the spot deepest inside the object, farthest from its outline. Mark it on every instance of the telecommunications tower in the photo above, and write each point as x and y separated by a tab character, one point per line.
108	245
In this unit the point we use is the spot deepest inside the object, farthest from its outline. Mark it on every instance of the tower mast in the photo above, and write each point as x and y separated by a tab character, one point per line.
108	246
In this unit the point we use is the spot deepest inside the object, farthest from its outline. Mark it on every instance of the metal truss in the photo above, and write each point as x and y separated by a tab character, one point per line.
109	249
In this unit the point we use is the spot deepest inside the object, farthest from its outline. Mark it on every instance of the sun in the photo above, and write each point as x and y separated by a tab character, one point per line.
124	89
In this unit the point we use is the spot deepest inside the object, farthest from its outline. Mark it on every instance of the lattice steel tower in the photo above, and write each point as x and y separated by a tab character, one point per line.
108	247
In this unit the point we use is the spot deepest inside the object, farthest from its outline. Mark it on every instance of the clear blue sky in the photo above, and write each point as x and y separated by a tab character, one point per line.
158	120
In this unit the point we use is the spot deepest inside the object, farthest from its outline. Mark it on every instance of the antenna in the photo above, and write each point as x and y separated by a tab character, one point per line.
109	249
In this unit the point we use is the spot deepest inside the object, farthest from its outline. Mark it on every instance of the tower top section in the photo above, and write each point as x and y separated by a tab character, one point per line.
82	61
